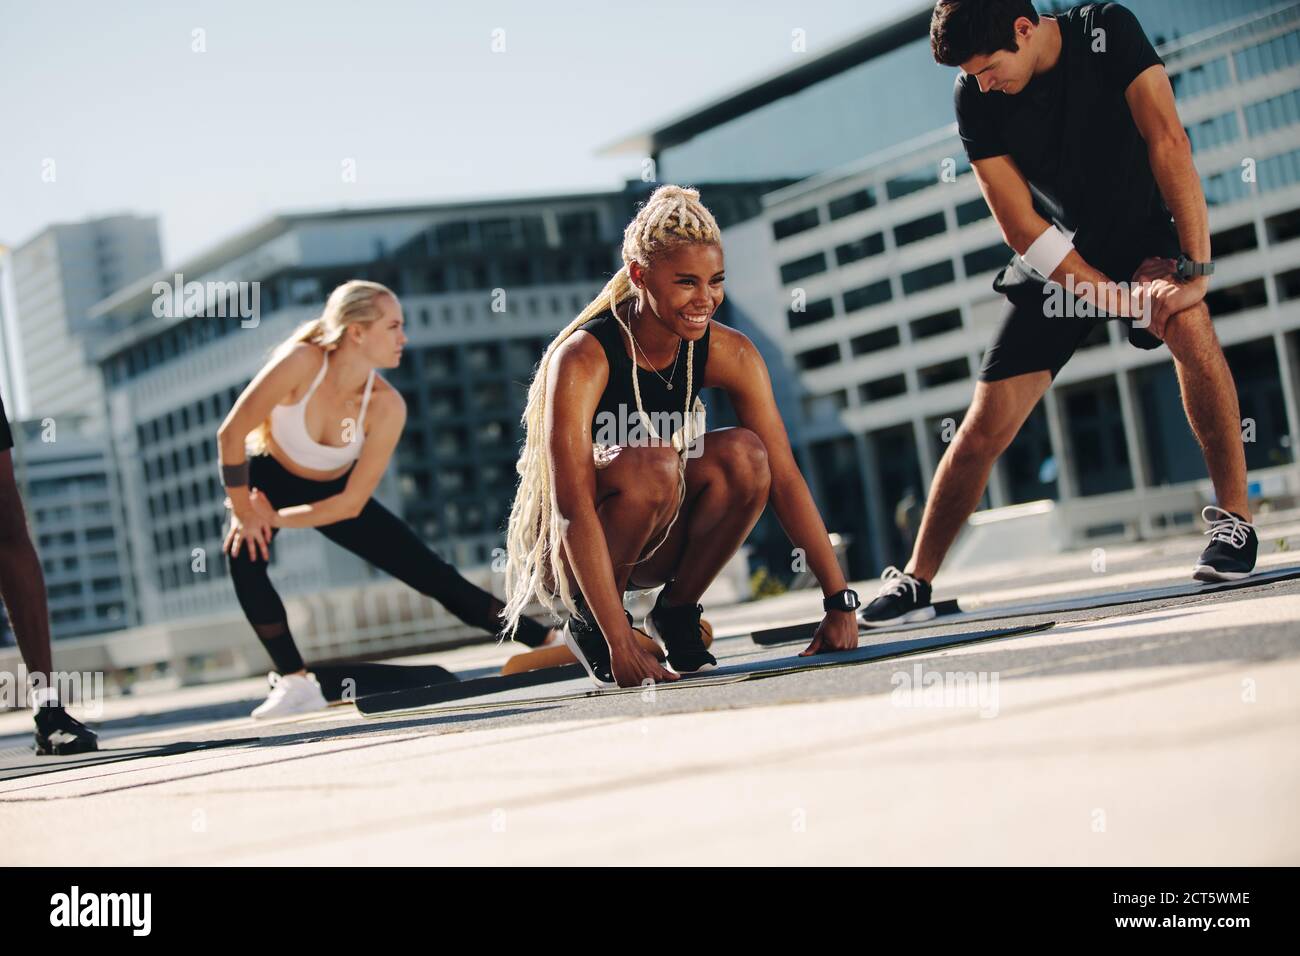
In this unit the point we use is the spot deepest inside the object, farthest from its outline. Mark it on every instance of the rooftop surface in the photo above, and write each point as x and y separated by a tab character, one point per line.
1162	731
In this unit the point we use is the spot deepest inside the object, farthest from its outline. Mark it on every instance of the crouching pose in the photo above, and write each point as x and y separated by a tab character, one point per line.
620	486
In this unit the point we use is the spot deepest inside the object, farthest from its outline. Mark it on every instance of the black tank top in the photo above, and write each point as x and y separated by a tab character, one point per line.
618	401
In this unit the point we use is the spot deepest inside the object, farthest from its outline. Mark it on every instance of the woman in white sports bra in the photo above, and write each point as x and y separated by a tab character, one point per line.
305	446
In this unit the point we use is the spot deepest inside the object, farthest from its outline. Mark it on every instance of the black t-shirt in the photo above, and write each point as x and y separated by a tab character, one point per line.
1071	133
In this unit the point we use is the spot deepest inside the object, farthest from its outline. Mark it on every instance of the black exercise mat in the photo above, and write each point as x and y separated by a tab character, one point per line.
17	766
476	687
804	630
372	678
461	696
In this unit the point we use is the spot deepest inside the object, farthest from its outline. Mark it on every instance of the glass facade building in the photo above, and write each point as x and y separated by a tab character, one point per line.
868	275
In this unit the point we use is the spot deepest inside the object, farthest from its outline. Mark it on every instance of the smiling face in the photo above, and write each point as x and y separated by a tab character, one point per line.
1003	71
683	287
382	341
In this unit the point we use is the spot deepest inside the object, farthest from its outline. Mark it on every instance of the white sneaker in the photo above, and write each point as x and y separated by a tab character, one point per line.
290	695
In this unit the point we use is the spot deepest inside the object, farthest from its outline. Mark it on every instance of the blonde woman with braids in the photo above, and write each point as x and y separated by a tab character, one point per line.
322	426
612	497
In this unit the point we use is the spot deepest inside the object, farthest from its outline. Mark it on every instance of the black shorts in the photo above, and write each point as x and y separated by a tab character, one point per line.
1030	341
6	436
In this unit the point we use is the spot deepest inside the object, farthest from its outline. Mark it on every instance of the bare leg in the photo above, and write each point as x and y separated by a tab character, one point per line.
726	491
996	414
635	497
1210	400
22	583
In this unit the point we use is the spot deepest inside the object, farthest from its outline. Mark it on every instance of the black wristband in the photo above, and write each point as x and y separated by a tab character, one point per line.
235	476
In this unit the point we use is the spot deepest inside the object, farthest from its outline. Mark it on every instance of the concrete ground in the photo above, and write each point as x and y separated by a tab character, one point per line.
1158	733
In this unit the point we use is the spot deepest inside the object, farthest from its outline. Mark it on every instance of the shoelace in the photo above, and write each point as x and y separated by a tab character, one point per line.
896	582
1229	529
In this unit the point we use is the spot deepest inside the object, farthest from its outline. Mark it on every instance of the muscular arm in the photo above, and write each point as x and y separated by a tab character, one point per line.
1007	194
578	375
735	365
1151	101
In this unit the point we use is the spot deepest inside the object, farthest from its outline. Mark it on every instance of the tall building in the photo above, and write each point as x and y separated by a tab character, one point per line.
484	286
57	276
868	269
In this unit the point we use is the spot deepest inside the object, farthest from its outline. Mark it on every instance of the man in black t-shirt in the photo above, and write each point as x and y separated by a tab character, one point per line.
22	587
1071	128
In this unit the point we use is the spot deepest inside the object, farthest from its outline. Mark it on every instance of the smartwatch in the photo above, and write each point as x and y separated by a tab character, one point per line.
846	600
1189	269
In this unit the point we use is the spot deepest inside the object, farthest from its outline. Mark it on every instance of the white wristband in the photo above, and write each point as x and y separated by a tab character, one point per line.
1047	251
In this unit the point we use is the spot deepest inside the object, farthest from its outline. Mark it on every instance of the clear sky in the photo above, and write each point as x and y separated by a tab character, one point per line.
135	120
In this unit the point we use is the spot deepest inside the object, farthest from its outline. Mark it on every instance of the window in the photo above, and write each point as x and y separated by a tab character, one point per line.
1231	241
1280	228
1201	79
818	357
1279	171
936	324
875	341
1213	132
867	246
795	224
928	277
972	211
854	202
954	370
1095	425
1236	298
918	229
883	388
913	181
1288	285
868	295
1273	113
987	259
1268	57
802	268
582	226
817	311
1225	187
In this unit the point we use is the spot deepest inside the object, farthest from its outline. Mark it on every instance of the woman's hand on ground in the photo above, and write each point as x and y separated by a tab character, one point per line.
633	665
838	631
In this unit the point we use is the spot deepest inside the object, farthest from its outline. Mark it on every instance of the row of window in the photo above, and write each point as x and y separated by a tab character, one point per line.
865	198
986	259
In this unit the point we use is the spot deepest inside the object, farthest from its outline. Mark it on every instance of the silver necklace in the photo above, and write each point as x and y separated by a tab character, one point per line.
668	382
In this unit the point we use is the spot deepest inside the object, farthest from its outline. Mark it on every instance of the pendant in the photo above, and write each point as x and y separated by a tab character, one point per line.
670	386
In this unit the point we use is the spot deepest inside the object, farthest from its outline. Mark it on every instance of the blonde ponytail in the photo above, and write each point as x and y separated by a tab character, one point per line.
354	302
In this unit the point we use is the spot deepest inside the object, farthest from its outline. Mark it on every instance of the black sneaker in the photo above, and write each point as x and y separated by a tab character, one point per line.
585	640
677	631
58	735
902	599
1230	555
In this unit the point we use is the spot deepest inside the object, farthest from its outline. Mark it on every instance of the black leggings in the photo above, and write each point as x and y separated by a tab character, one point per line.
377	536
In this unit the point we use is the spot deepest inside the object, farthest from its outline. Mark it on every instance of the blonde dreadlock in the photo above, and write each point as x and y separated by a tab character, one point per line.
671	217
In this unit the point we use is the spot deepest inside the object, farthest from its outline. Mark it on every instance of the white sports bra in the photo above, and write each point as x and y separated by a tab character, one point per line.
289	429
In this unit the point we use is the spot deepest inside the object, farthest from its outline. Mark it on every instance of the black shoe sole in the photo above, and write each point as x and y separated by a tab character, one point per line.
66	750
1212	575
